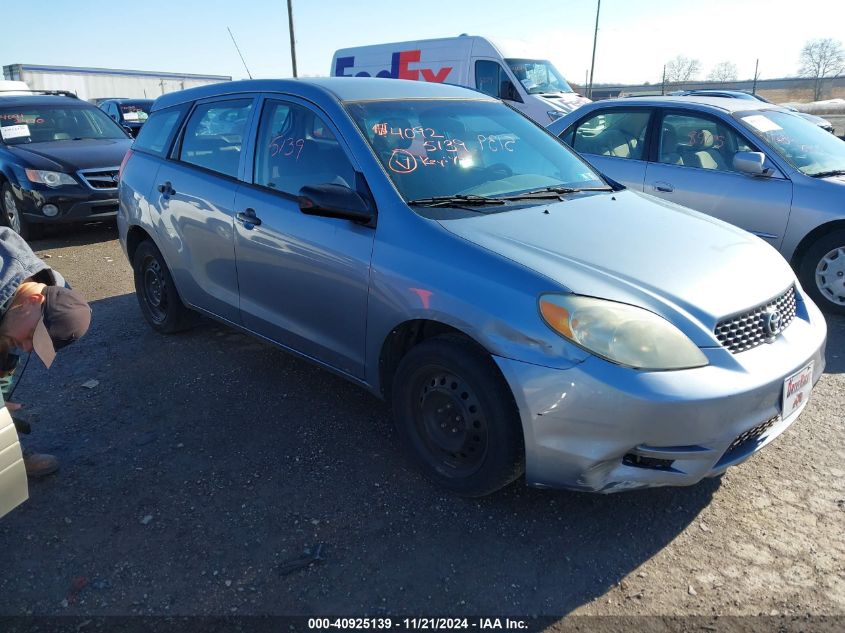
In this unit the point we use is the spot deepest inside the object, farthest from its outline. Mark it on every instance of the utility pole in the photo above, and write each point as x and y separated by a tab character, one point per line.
663	86
292	38
754	85
593	63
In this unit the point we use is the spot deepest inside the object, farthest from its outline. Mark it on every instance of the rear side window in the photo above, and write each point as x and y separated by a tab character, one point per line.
214	135
618	133
158	132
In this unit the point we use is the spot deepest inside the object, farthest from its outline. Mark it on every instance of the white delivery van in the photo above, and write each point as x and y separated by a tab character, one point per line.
507	70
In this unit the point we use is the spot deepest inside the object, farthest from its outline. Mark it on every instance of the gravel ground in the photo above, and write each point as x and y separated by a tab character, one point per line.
204	470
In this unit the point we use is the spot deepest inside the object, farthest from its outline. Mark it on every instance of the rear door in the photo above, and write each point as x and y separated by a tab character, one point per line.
615	141
13	488
694	167
303	279
194	196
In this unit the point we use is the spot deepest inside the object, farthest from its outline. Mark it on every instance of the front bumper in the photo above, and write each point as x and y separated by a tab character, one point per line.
75	203
600	427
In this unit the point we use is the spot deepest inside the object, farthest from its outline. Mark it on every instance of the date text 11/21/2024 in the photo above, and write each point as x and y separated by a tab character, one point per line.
416	624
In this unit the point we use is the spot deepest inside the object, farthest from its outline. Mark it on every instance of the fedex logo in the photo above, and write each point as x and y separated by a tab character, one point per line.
398	68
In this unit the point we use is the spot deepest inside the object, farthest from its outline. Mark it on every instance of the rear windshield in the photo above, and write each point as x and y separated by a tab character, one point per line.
44	124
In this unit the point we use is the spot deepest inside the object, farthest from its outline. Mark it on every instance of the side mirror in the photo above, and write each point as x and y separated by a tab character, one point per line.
750	163
334	201
508	91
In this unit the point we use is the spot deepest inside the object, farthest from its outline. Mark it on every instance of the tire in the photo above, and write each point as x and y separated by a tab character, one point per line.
13	218
822	272
156	292
484	450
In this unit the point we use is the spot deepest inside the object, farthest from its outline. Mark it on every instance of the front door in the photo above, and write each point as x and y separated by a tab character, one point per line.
694	168
303	279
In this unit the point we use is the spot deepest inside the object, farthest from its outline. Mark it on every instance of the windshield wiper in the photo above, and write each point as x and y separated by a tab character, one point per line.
552	192
456	200
825	174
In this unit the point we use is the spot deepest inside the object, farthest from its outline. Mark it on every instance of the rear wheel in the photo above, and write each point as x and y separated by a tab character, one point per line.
822	272
157	296
455	412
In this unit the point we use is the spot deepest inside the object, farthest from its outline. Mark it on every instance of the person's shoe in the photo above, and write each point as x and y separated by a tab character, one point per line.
40	465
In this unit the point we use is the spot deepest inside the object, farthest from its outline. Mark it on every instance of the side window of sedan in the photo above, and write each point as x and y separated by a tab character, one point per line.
214	135
617	133
701	142
296	148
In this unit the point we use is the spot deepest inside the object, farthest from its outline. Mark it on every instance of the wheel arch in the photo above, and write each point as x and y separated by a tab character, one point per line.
134	236
808	240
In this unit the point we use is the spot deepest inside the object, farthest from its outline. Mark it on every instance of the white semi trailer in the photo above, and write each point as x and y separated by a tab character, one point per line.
99	83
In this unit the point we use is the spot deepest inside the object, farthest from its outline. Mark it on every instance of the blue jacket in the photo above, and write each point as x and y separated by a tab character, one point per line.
18	263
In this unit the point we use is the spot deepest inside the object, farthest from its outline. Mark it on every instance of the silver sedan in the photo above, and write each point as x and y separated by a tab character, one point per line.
756	165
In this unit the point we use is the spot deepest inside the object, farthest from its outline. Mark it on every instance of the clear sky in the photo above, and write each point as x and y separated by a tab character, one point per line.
636	37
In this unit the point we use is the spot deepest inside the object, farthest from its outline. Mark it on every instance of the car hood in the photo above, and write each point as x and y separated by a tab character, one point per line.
637	249
71	156
565	101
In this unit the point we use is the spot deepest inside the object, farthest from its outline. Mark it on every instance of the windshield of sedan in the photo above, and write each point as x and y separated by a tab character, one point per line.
467	148
802	144
538	76
43	124
135	111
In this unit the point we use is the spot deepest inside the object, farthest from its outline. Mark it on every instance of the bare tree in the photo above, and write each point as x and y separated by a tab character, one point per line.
682	69
819	59
724	71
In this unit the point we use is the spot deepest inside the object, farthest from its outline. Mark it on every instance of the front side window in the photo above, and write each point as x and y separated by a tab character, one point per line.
296	148
447	147
694	141
44	124
801	143
617	133
538	76
214	135
488	77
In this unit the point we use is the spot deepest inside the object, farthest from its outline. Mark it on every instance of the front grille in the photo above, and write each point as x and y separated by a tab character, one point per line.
105	178
746	442
748	330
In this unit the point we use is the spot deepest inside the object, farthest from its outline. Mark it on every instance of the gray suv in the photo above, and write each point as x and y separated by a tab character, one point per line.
430	244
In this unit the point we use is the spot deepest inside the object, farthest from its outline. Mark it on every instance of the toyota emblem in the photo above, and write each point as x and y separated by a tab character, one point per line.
772	322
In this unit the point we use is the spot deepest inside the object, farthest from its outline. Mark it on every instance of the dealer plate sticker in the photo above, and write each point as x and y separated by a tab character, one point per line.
14	131
796	390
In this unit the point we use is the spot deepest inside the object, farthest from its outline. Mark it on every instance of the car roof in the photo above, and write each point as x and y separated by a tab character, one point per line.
337	88
728	104
41	100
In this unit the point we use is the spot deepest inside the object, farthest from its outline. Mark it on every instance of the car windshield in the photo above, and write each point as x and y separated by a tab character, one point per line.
804	145
441	147
42	124
538	76
135	111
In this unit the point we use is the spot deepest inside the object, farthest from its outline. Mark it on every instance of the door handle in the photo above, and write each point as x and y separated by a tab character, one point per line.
663	186
248	218
166	189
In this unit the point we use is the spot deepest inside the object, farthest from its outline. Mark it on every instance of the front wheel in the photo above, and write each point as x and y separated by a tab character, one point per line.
455	412
12	215
156	293
822	272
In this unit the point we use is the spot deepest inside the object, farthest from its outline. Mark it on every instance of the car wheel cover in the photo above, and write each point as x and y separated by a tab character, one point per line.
830	276
155	289
449	422
11	209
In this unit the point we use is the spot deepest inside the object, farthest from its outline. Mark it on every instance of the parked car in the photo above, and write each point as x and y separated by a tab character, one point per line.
131	114
511	71
824	124
756	165
436	247
59	158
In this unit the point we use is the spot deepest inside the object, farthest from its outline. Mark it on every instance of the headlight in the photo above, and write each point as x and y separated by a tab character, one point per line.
620	333
554	115
50	178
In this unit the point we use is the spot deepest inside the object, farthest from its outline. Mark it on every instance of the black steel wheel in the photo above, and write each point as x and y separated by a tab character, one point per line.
457	415
156	293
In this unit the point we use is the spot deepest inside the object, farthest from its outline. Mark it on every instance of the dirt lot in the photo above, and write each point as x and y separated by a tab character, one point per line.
201	465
